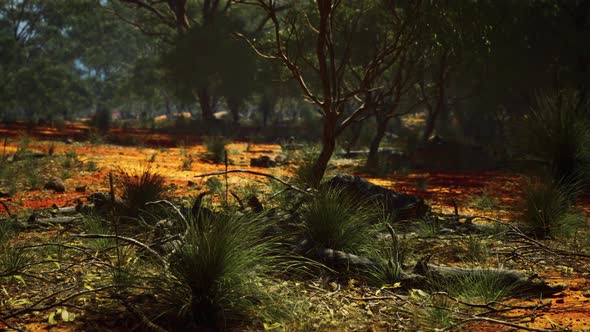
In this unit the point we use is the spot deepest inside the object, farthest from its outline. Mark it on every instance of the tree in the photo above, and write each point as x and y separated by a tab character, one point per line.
330	28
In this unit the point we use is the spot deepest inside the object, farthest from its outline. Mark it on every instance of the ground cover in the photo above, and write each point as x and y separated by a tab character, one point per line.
318	303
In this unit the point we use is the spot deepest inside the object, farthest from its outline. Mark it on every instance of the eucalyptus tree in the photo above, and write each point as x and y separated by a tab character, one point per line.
314	41
201	60
38	76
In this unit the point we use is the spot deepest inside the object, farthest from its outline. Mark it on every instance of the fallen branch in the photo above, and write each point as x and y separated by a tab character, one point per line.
126	239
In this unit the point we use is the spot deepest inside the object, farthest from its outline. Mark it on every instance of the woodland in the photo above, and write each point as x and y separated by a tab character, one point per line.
327	165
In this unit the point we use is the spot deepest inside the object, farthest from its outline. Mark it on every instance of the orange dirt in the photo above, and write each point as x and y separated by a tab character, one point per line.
570	311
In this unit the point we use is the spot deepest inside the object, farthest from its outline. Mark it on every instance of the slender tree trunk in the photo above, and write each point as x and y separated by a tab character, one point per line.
206	105
441	99
373	158
328	146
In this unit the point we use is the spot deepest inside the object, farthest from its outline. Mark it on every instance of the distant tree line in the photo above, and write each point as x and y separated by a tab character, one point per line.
471	67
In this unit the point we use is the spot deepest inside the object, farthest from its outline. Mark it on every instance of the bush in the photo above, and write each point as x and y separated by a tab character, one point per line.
335	221
216	148
548	211
218	264
139	188
303	172
558	132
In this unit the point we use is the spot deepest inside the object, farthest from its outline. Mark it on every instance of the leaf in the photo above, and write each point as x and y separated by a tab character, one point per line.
65	315
51	319
272	326
21	279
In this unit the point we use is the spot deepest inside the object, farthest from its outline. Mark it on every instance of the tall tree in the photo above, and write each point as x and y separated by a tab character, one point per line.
329	28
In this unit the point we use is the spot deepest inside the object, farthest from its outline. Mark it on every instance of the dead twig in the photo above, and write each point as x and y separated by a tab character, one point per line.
126	239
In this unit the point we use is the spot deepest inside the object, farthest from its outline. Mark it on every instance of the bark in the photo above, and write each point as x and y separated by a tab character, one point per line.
328	145
373	157
441	99
205	102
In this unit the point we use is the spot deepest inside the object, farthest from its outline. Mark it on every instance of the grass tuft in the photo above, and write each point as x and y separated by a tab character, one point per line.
216	148
139	188
336	221
218	263
548	210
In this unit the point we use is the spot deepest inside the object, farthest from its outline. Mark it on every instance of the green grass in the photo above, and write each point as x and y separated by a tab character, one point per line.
139	188
96	225
484	201
336	221
478	286
548	210
217	264
558	132
216	148
476	249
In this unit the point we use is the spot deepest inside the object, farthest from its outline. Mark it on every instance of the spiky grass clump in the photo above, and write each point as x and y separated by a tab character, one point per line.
139	188
558	132
388	259
548	210
480	286
334	220
216	148
12	260
218	263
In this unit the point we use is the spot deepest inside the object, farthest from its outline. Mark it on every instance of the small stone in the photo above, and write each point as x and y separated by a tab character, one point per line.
560	301
81	189
56	184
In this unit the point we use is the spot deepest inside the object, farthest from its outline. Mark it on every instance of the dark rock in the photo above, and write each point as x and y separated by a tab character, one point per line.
4	194
254	204
403	206
56	184
262	161
81	189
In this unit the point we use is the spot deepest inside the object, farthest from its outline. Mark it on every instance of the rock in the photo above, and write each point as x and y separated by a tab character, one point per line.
69	141
403	206
262	161
56	184
81	189
4	194
280	160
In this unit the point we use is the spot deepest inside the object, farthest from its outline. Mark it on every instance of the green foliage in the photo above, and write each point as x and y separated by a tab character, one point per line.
484	201
96	225
478	286
12	260
216	148
476	249
218	263
558	132
7	228
389	259
91	165
303	172
139	188
333	220
548	211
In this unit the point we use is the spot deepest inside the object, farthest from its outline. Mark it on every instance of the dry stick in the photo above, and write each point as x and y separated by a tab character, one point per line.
6	208
115	218
283	182
32	307
502	322
144	319
226	182
10	327
126	239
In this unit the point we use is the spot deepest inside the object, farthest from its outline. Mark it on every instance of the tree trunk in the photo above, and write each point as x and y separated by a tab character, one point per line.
328	145
373	158
441	99
206	105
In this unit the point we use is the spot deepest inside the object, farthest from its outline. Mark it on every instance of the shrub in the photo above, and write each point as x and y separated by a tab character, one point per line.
334	220
548	211
216	148
139	188
558	132
218	264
